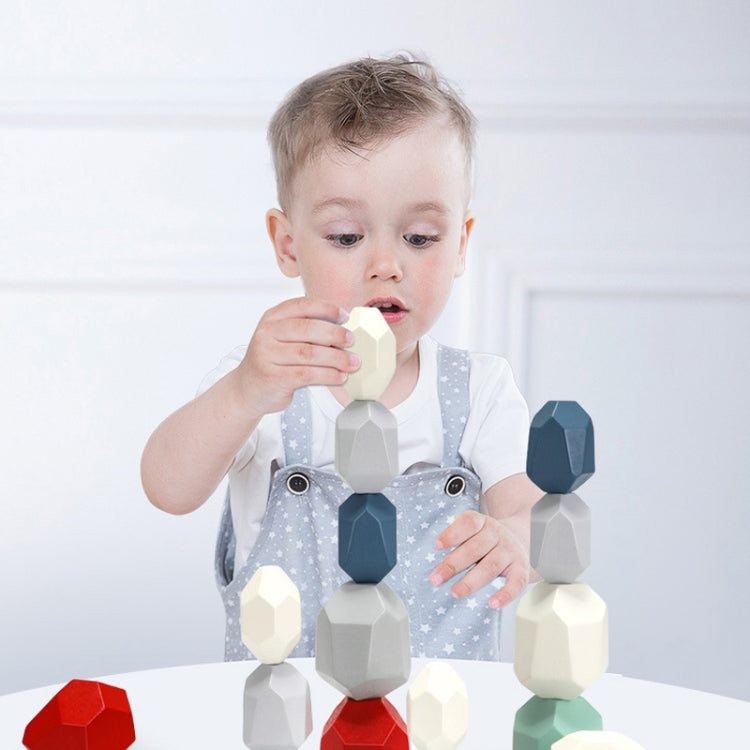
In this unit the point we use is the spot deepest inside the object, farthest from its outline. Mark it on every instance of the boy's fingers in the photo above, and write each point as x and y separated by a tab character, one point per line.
486	570
298	377
313	331
308	307
516	580
464	556
297	356
465	526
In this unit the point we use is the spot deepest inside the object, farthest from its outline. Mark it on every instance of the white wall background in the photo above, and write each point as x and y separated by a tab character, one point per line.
610	263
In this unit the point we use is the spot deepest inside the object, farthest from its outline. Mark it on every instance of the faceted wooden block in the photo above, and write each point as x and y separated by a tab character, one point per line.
561	447
540	722
560	538
561	640
437	708
270	614
362	643
277	708
83	715
375	344
367	537
366	446
586	740
364	725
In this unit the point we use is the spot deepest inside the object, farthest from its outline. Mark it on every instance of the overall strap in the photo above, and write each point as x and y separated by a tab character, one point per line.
296	429
453	367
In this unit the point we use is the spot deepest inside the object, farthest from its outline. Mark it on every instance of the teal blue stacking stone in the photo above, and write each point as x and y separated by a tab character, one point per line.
540	722
367	537
561	447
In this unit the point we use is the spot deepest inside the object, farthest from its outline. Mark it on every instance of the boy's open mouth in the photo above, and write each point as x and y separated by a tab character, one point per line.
392	309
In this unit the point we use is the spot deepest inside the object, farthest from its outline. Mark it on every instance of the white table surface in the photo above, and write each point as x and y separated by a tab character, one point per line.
199	707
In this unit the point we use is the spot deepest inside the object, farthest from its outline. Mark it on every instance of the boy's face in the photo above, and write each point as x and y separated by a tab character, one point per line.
385	227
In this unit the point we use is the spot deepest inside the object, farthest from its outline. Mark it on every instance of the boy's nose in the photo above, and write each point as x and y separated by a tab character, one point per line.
385	264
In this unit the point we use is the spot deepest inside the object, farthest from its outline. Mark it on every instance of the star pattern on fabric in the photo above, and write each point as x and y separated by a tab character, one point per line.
300	534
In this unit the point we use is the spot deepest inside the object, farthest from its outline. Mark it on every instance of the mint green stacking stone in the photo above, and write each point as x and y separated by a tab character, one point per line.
542	721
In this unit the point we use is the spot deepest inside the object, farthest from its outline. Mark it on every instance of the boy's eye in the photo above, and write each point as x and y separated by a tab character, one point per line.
344	240
420	240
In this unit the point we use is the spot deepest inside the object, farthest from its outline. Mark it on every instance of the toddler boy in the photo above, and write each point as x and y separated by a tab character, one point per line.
373	162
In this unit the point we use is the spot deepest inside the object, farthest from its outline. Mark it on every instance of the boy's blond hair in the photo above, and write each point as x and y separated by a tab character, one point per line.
357	104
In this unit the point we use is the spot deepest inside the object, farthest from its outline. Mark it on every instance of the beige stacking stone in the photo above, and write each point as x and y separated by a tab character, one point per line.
562	639
271	614
437	708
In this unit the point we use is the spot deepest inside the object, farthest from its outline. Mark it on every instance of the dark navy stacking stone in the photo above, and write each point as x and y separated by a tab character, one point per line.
367	537
561	447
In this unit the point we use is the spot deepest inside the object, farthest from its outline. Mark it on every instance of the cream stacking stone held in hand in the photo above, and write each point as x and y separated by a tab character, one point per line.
375	344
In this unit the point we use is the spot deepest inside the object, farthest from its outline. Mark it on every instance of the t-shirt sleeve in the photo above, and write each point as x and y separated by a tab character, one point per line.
225	366
496	436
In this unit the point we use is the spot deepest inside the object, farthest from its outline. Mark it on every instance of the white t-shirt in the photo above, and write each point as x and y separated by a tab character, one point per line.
493	446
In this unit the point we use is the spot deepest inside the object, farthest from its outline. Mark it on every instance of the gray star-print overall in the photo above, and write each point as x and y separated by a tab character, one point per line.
300	534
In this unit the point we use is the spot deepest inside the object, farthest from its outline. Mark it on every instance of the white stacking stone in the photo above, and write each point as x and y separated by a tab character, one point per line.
561	640
375	344
437	708
270	614
587	740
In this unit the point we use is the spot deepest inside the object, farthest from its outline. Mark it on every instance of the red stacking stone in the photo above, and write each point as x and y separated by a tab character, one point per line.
372	724
84	715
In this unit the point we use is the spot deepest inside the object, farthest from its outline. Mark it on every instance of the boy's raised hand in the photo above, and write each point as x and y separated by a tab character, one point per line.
297	343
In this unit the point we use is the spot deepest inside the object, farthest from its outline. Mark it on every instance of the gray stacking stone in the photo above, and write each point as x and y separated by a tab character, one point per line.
366	453
277	708
362	645
560	548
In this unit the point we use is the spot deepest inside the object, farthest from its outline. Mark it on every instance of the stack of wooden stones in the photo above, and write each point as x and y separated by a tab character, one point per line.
362	641
363	645
562	635
277	707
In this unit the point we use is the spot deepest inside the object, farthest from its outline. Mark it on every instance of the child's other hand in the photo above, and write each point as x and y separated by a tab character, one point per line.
492	548
297	343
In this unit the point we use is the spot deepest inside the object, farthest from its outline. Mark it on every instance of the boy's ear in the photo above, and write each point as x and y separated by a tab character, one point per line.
466	228
280	231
